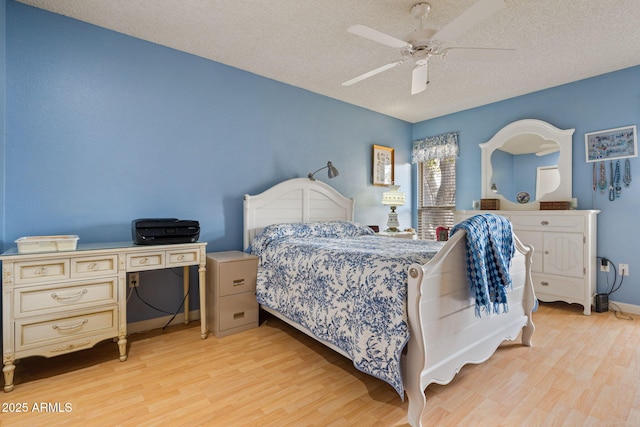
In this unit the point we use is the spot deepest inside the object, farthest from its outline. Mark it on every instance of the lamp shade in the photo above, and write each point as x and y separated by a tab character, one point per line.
393	197
332	171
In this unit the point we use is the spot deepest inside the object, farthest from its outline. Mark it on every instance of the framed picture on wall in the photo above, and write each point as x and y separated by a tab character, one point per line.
382	165
611	144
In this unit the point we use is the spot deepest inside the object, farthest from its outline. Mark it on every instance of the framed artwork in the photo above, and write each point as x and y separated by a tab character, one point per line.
611	144
382	165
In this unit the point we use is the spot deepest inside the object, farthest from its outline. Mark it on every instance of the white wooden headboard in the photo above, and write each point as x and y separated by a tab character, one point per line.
294	200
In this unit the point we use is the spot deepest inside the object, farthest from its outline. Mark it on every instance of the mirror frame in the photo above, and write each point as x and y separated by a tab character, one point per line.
564	138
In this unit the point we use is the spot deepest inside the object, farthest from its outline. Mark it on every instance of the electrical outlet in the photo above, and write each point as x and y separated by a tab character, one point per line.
134	280
624	269
604	266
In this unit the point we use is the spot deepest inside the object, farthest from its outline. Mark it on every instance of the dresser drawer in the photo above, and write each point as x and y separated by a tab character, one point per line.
42	271
39	300
565	287
93	266
238	310
180	258
146	261
543	222
238	277
30	333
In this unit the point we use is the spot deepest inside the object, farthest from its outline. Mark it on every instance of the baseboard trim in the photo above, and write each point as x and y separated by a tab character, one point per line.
160	322
626	308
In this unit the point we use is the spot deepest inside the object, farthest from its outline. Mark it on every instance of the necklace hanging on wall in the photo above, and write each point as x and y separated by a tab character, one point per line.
602	182
612	193
627	173
617	180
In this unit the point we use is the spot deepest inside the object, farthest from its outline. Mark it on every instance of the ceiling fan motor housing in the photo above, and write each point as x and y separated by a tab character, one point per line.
420	38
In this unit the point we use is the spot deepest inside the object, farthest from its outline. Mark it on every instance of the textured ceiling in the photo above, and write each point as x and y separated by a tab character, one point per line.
305	44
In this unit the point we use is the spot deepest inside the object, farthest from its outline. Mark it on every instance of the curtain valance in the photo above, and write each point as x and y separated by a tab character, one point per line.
435	147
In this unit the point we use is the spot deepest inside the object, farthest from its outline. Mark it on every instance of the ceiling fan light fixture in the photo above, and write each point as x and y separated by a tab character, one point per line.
419	78
420	10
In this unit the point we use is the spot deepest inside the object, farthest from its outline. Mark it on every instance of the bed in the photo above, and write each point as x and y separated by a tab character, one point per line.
436	331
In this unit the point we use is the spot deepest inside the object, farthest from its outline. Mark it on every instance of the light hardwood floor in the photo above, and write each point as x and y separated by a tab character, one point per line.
581	371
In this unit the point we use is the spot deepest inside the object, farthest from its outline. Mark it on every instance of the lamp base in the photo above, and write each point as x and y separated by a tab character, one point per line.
393	230
392	223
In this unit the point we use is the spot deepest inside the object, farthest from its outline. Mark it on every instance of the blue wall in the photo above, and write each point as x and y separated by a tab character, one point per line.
3	109
608	101
103	128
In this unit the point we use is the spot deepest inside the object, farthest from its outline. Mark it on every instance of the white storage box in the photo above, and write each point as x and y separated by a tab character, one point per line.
30	244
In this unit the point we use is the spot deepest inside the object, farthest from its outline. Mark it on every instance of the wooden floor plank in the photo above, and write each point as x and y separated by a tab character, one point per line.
582	370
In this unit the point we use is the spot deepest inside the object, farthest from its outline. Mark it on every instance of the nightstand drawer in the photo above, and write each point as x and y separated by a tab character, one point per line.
42	271
32	333
39	300
238	310
237	277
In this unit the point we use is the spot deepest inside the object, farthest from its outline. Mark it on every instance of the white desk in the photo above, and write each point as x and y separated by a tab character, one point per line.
60	302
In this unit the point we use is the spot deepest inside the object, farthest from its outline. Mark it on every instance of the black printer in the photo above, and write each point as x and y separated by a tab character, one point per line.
164	231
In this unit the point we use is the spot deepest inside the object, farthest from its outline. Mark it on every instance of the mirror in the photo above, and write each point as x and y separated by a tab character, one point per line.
526	162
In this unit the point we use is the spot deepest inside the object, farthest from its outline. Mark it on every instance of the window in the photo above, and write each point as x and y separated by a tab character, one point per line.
436	159
436	196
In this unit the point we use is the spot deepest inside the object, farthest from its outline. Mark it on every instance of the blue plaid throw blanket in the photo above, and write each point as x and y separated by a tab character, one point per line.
490	248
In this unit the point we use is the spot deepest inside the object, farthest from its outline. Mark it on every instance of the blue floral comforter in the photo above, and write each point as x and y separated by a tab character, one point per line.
344	284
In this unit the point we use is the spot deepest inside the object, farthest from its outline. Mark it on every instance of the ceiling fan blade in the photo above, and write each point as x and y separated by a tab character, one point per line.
419	78
377	36
480	11
372	72
479	54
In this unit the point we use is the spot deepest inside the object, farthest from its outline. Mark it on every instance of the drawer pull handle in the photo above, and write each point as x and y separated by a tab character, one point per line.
93	266
180	257
66	328
144	260
544	222
238	282
238	315
544	283
76	295
41	271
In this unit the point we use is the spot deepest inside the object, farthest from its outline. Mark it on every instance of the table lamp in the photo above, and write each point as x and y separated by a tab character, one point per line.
393	198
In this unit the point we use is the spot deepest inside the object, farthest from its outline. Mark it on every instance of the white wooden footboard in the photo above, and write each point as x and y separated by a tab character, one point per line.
445	332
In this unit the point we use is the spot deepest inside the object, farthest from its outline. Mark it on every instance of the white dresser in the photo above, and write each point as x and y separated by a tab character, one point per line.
564	257
59	302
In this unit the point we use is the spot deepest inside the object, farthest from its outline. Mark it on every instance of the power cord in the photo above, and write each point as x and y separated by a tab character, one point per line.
173	314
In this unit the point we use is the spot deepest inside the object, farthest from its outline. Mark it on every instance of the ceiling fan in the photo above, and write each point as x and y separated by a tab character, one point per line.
423	43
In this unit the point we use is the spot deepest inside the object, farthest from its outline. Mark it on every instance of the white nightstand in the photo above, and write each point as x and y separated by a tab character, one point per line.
231	285
399	234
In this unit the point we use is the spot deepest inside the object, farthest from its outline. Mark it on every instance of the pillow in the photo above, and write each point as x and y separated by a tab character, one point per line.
338	229
335	229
